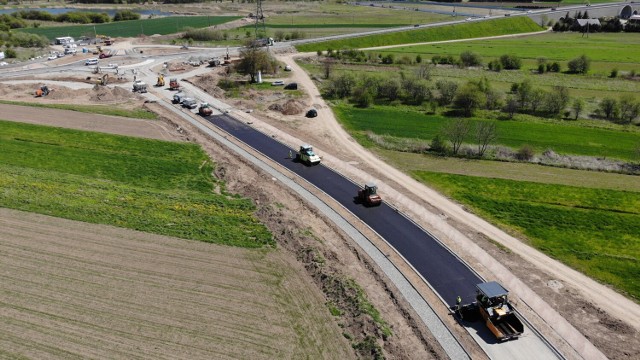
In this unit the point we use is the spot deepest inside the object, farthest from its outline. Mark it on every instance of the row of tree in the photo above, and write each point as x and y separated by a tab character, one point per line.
79	17
612	24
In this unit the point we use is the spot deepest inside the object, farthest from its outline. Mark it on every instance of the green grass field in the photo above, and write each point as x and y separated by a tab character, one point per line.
162	26
91	109
447	32
606	50
592	230
562	137
148	185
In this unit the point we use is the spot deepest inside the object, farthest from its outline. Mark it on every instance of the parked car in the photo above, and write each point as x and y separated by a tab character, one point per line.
277	83
189	103
312	113
92	61
52	57
287	68
291	86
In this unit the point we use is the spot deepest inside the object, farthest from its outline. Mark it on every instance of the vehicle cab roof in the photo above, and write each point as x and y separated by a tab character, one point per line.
492	289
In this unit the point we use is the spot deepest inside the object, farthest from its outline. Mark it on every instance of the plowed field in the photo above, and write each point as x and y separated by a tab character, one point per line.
76	290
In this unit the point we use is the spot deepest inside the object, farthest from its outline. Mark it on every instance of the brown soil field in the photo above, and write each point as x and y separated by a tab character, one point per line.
76	290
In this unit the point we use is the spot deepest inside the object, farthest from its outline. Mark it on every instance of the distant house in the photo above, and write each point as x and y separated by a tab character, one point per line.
64	40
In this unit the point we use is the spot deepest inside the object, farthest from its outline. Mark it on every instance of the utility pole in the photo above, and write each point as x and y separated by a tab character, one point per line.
260	19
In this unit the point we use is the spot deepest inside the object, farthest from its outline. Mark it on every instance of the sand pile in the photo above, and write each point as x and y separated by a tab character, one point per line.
293	107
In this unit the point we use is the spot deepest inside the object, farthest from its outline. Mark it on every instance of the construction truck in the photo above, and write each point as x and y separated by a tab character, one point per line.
104	80
139	86
160	81
43	91
493	305
108	41
307	156
205	109
173	84
369	195
213	62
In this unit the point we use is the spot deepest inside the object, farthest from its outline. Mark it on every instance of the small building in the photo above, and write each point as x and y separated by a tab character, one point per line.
64	40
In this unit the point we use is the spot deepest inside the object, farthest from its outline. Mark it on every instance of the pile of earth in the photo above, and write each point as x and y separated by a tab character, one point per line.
290	107
106	94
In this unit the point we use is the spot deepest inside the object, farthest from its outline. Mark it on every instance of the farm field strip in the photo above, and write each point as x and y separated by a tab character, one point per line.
591	230
131	28
561	137
149	185
77	290
410	162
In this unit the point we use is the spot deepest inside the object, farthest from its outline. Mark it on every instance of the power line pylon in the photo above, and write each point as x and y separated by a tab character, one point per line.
261	28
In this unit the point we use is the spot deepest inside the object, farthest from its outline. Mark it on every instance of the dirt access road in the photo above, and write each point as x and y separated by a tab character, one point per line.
529	274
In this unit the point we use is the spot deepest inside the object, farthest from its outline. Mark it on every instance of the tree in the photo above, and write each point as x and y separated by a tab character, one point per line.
524	93
447	90
342	86
511	106
485	134
418	59
468	99
469	59
579	65
390	89
327	67
557	100
252	59
424	71
456	131
439	145
609	107
536	98
578	107
415	91
629	108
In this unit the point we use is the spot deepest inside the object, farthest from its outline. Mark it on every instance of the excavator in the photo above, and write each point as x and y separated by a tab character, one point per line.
104	80
43	91
160	81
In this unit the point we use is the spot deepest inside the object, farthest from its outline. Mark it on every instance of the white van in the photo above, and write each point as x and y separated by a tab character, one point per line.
92	61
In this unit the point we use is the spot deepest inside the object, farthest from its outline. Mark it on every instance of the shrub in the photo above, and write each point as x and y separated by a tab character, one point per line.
439	145
418	59
541	68
469	59
525	153
10	54
510	62
122	15
614	73
495	65
579	65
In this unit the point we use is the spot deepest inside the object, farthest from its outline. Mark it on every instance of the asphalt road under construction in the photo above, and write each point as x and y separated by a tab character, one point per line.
445	272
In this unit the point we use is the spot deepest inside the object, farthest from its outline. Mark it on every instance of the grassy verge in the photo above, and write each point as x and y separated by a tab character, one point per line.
447	32
91	109
162	26
591	230
147	185
562	137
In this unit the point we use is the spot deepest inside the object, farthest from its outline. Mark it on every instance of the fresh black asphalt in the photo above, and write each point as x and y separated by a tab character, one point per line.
439	267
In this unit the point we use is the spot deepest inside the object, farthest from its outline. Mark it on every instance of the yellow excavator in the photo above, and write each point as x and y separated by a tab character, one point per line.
160	81
104	80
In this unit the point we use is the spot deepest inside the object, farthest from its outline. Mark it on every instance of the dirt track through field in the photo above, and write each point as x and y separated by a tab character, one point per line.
77	290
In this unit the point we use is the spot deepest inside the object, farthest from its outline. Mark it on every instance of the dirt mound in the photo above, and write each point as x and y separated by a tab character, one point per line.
62	93
293	107
102	94
276	107
208	83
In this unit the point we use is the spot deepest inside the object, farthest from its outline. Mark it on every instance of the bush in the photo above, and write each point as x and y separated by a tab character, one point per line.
122	15
469	59
10	54
525	153
439	145
614	73
510	62
495	65
579	65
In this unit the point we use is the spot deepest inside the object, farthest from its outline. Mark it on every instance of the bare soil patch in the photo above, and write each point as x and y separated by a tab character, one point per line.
72	289
152	129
